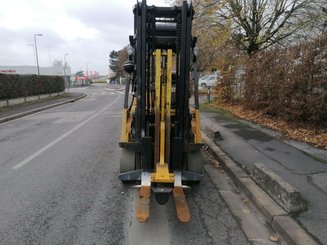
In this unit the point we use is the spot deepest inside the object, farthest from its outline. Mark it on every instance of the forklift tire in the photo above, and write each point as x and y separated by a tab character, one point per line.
195	163
127	161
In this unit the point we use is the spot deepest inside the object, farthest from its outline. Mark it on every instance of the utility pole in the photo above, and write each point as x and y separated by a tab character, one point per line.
65	76
87	70
65	64
37	58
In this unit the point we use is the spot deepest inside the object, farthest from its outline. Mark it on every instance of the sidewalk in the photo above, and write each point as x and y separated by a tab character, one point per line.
13	112
248	144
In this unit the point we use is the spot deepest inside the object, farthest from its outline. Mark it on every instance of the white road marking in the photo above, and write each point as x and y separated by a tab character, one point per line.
39	152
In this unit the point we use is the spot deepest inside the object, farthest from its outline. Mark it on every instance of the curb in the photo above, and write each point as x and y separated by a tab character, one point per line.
285	194
277	217
22	114
114	89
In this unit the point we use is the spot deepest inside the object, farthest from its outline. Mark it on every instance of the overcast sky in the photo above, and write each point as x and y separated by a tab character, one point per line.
86	30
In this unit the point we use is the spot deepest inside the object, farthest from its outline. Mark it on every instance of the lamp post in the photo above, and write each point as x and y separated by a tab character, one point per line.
65	64
37	58
65	76
87	70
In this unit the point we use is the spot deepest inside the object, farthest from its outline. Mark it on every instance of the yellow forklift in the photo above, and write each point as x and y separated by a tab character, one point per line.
160	136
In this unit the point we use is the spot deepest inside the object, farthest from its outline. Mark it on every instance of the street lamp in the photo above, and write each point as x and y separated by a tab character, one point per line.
87	72
87	69
37	58
65	77
65	64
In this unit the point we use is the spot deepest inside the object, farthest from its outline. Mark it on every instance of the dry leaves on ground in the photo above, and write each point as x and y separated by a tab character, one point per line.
314	136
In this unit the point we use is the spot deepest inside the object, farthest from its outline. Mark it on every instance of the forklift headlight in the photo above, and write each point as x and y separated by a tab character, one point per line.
130	50
196	50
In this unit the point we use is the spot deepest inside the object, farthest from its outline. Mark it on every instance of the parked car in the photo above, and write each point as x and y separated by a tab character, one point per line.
208	80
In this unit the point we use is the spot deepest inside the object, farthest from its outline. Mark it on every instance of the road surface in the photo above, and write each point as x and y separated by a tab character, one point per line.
59	184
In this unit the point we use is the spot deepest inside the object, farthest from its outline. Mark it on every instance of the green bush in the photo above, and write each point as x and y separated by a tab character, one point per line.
15	86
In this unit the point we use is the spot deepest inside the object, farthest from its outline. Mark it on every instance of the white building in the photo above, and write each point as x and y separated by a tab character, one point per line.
28	70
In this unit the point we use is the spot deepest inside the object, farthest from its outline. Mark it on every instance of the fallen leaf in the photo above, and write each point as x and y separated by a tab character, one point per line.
274	238
312	135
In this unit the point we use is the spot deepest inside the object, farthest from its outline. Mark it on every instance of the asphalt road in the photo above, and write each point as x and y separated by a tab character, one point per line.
59	184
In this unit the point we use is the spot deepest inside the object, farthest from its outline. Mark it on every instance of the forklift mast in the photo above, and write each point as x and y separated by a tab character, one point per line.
160	138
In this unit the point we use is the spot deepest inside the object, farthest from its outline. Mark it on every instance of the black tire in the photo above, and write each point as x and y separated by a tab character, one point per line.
127	161
195	163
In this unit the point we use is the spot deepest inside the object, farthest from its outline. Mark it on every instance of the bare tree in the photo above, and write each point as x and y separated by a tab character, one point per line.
259	24
210	43
321	17
122	57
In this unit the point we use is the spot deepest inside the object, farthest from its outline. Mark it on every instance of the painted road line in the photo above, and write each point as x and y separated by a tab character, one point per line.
39	152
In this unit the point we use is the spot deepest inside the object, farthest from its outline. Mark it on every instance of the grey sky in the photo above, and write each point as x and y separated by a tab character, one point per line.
85	29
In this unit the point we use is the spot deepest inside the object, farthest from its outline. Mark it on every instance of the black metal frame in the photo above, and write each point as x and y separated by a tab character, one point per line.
162	28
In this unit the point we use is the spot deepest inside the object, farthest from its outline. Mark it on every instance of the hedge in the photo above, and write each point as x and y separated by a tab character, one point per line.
15	86
290	83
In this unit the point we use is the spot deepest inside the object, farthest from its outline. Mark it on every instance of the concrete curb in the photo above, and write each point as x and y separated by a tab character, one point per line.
114	89
22	114
286	195
277	217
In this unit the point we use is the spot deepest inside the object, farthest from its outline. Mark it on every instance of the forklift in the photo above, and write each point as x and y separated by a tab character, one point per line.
160	136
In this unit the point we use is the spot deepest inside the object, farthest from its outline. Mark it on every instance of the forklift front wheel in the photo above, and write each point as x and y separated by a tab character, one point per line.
127	161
